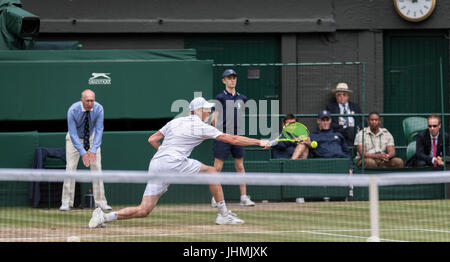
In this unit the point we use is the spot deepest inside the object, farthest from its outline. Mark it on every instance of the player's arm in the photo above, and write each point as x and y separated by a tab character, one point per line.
155	139
242	140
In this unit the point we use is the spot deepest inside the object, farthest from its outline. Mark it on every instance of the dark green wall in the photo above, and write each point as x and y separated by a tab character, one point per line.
42	85
131	151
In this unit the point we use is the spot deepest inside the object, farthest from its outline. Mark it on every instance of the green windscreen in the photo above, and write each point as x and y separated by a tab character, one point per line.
130	84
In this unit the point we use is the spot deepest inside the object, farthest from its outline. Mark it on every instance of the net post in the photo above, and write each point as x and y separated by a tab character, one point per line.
374	215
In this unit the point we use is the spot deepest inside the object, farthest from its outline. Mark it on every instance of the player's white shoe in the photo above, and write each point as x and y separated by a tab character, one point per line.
213	202
229	219
245	201
97	219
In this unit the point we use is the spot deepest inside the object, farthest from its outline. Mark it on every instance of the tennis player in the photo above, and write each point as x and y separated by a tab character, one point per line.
181	135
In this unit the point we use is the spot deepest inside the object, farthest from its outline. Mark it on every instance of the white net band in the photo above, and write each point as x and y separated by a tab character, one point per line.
256	178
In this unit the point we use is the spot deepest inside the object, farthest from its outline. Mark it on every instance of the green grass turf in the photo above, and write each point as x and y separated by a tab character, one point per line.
417	221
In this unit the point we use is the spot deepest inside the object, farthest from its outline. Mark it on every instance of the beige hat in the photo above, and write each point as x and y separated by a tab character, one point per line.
342	87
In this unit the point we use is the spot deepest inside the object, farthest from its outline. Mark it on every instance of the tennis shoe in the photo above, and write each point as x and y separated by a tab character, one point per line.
229	219
97	219
213	202
105	207
245	201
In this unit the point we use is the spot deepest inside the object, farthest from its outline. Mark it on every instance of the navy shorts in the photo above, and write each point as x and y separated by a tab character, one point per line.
222	150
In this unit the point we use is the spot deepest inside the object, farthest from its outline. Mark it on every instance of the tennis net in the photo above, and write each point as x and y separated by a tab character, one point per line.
290	207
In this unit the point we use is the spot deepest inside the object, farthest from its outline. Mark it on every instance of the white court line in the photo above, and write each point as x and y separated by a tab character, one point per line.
318	232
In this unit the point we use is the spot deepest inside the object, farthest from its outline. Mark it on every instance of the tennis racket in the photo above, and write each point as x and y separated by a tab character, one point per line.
293	132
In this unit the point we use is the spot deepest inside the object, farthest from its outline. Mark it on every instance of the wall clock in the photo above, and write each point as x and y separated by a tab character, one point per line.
414	10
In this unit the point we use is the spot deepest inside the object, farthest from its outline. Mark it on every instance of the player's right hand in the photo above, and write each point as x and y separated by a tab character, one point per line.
265	144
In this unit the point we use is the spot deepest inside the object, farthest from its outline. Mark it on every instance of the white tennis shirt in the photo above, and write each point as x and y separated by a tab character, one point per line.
182	135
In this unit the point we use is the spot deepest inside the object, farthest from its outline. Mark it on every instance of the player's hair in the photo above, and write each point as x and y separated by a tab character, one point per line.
436	117
289	116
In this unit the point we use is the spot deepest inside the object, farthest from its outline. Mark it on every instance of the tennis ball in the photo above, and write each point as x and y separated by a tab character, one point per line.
314	144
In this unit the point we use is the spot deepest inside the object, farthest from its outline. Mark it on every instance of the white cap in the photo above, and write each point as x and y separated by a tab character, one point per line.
199	102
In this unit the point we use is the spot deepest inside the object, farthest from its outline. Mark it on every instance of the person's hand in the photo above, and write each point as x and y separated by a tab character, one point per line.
384	157
265	144
306	142
86	159
439	161
92	158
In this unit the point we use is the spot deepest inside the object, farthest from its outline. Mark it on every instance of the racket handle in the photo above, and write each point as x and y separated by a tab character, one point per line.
273	142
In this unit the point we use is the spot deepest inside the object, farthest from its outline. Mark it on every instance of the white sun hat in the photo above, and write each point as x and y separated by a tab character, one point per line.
200	102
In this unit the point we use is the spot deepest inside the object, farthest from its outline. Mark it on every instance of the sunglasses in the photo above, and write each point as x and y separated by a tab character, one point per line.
434	126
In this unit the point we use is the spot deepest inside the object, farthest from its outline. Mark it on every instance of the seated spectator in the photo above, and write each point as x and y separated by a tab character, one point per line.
429	145
285	149
345	124
331	144
379	147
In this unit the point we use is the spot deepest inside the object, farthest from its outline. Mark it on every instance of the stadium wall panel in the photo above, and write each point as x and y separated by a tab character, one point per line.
130	84
131	151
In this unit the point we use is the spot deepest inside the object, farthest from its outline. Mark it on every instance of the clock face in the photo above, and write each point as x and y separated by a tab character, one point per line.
414	10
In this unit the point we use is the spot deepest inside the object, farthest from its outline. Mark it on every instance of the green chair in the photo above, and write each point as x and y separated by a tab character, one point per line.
412	126
410	150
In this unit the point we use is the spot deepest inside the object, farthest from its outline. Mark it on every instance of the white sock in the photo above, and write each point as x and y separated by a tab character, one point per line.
110	216
222	208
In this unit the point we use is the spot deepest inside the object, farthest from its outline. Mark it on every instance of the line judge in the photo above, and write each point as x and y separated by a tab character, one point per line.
85	125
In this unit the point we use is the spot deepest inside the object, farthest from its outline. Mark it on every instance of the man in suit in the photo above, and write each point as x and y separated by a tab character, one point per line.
429	145
345	124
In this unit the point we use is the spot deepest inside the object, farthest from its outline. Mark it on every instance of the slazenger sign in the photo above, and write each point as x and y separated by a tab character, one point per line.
100	79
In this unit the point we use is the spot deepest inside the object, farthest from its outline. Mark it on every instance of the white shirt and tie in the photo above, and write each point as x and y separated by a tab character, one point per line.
434	141
346	121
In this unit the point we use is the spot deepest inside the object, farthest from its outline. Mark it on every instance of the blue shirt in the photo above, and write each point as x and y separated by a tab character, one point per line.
331	144
237	101
75	122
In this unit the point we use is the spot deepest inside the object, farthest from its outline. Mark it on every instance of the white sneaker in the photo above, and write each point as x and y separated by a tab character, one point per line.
97	219
245	201
229	219
64	207
213	202
104	207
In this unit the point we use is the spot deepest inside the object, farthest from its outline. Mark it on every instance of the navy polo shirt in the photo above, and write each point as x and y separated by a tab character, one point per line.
232	106
331	144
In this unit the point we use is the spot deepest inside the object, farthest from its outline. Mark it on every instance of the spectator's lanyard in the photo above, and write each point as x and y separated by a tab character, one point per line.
379	138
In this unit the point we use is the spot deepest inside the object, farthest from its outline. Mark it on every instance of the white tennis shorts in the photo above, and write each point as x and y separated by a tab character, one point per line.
169	165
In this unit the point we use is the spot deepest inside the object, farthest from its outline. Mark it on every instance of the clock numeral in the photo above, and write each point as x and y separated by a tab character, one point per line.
426	7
